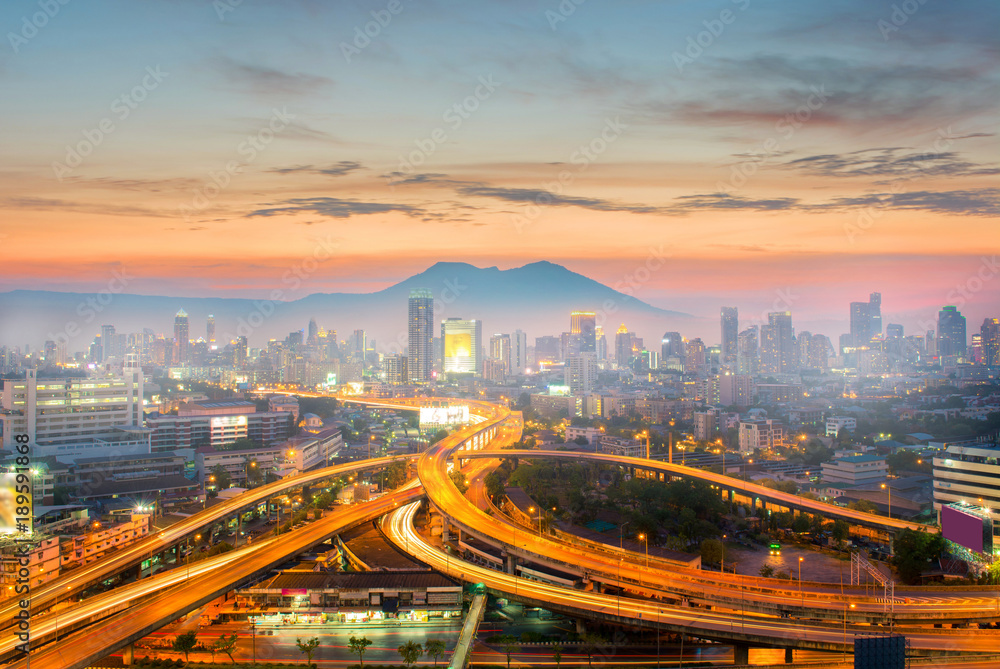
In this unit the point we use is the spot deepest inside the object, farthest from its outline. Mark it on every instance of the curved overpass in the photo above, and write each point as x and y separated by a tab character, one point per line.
75	581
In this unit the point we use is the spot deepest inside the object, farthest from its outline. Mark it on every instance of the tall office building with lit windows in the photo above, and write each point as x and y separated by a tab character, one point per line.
420	325
584	323
730	331
951	335
463	342
182	339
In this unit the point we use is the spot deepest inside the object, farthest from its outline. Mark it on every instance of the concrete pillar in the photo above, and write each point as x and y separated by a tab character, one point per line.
510	564
581	626
128	655
789	655
741	654
445	537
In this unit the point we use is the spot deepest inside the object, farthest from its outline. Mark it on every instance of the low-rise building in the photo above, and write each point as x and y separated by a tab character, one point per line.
856	469
762	434
622	446
834	424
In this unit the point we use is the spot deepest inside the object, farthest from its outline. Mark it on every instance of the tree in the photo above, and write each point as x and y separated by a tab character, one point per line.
712	551
590	644
226	644
863	505
358	646
557	654
410	652
185	643
222	478
914	551
434	648
458	478
395	474
509	643
767	571
841	530
308	648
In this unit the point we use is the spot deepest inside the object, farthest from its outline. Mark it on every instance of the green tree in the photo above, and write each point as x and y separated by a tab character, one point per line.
767	571
307	648
801	523
458	478
841	530
712	551
226	644
510	644
915	551
434	648
557	655
410	652
864	506
185	643
590	643
395	474
222	478
358	646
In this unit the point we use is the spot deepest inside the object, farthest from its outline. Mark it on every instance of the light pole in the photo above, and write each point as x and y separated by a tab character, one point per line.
888	488
801	596
645	541
621	547
845	629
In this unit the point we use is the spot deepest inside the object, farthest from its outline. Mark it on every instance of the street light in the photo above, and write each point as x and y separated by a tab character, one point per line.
801	596
889	489
645	541
621	547
531	509
845	629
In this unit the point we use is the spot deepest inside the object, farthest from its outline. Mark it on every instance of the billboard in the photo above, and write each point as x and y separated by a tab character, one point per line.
562	391
967	526
880	652
458	354
15	504
453	415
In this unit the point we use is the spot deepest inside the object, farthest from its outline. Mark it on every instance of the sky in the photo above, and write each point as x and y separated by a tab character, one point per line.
782	155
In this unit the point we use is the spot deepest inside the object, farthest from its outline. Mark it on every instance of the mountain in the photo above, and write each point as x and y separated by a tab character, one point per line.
536	298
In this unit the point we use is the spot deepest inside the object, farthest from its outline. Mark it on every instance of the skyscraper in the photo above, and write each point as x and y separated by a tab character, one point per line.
989	340
672	346
500	350
463	343
584	323
518	352
312	333
420	326
107	342
182	341
861	323
580	372
730	330
777	348
875	313
951	337
623	346
747	353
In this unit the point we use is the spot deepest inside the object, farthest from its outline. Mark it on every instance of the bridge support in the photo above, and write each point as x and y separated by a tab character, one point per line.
581	626
510	564
445	535
128	655
741	654
789	655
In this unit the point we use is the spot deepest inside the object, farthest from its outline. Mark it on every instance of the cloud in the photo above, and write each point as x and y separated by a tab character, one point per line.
339	169
688	203
51	204
547	198
981	202
336	208
268	82
890	162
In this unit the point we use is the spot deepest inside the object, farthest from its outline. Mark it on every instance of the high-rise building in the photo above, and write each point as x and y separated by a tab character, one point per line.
989	342
396	368
861	323
182	340
210	329
580	372
420	326
518	352
312	333
819	352
730	330
584	323
463	343
240	352
777	346
601	343
875	314
747	352
547	351
951	336
694	360
893	331
672	346
500	350
623	346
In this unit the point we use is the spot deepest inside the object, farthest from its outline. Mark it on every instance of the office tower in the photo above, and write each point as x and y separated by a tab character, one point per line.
601	343
623	346
861	324
518	352
182	342
694	360
894	331
240	352
570	344
989	341
294	339
747	352
875	314
584	323
396	369
210	329
930	344
420	327
777	350
672	346
580	372
312	333
730	330
500	350
463	343
951	337
819	350
358	346
107	342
